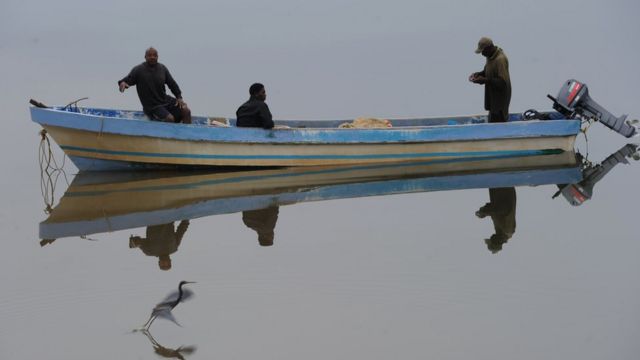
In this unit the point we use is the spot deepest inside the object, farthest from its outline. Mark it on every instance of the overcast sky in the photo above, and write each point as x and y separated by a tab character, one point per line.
319	59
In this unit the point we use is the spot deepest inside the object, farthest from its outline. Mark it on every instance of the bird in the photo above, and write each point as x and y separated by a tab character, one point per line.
163	309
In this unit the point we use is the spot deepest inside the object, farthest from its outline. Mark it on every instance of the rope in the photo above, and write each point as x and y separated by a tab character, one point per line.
584	130
50	171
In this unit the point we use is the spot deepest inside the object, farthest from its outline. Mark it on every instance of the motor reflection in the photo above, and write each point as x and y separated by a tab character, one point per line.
576	194
161	241
502	210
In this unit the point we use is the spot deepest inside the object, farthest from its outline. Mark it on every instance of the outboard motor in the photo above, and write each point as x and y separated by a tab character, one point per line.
576	194
574	101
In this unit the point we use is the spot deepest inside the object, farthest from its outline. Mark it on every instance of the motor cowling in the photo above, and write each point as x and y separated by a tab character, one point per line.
573	101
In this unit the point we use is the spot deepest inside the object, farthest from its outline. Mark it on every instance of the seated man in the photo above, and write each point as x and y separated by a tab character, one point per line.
161	241
150	78
255	112
262	221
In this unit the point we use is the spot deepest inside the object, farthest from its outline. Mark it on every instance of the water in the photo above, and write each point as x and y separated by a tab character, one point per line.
394	267
405	275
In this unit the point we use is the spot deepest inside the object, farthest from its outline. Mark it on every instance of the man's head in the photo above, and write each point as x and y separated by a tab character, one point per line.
495	242
485	46
164	262
265	238
151	56
258	91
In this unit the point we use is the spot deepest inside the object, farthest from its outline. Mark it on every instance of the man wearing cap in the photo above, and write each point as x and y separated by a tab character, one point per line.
502	209
496	80
255	112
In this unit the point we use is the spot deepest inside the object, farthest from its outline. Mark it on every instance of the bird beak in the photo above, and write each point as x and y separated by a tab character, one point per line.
190	282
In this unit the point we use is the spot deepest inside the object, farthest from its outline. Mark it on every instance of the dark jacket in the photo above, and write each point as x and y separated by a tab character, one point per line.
254	113
149	82
262	221
502	209
497	89
163	239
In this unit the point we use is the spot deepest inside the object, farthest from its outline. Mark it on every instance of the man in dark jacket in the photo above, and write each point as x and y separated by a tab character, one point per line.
496	80
502	209
150	78
161	241
255	112
262	221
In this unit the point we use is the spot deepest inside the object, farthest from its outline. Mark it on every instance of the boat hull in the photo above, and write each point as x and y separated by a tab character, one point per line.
87	149
103	143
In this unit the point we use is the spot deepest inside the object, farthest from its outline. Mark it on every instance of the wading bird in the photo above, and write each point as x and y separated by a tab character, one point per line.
163	309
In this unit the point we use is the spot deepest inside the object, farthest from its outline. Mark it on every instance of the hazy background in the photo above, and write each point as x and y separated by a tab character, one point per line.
417	281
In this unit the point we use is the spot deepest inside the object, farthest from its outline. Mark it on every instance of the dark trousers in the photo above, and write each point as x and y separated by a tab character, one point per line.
499	116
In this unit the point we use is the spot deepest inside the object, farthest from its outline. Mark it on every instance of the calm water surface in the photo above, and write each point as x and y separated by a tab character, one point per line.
435	267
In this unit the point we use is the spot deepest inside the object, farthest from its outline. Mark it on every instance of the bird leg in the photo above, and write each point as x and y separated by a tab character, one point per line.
146	325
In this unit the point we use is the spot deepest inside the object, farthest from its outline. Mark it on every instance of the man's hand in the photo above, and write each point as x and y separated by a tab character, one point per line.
181	103
123	86
477	79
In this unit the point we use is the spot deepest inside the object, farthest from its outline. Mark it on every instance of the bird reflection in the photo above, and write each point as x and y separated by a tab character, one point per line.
502	209
262	221
164	308
169	353
161	241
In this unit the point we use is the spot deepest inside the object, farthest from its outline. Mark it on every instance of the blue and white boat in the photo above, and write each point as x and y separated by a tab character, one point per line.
102	139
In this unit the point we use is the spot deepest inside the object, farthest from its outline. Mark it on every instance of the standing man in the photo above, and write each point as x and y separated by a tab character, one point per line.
255	112
502	209
150	78
496	80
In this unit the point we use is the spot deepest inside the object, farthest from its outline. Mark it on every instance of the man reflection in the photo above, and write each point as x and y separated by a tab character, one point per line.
502	209
161	241
262	221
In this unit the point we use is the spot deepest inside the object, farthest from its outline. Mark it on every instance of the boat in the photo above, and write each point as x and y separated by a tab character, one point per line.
98	202
103	139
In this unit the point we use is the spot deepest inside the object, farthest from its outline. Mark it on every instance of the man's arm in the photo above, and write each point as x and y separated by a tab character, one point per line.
182	228
500	82
173	85
265	114
478	77
128	80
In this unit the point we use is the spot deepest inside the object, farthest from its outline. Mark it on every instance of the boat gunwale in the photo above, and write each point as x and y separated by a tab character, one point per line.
306	136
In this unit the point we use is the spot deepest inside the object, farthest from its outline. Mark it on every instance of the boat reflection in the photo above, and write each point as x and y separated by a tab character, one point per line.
105	202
